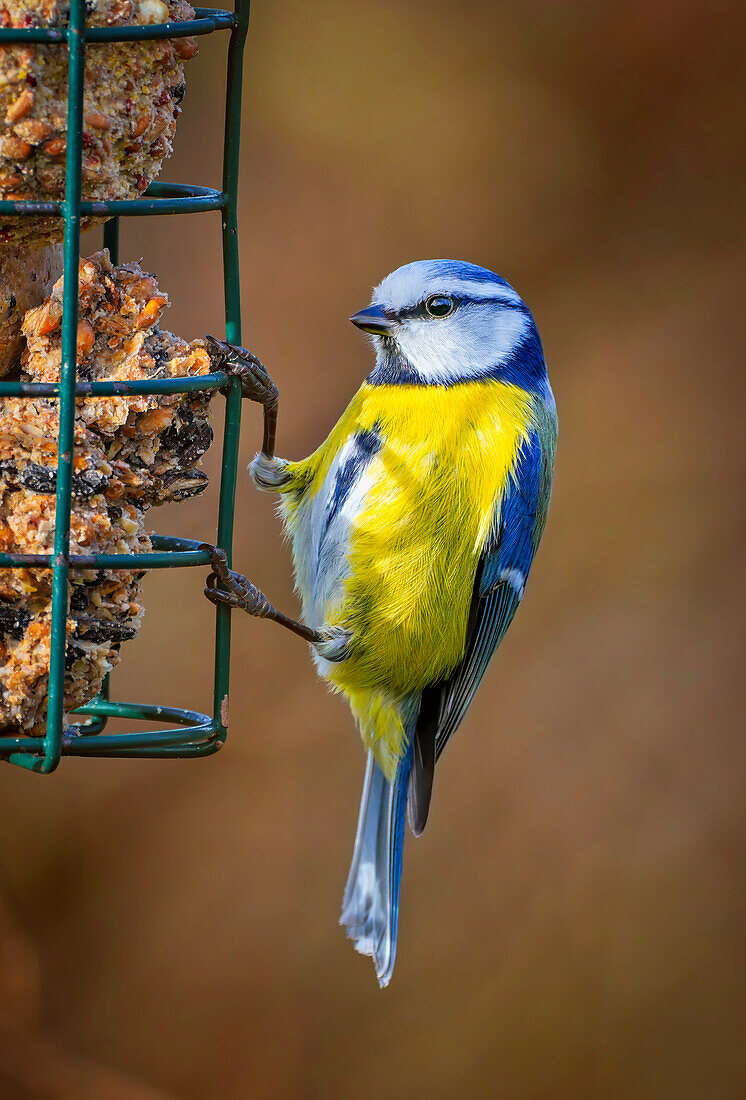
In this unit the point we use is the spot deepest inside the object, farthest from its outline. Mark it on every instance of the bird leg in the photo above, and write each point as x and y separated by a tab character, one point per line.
256	384
240	593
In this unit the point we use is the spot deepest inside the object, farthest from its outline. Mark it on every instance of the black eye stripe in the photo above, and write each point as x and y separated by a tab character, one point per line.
419	311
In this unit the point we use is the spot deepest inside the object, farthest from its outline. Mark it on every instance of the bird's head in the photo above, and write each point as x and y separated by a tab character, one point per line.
440	322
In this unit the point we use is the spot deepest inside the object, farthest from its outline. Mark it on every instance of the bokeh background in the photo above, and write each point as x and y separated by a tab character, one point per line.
573	919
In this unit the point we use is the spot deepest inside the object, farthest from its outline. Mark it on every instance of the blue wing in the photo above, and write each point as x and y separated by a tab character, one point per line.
499	584
501	579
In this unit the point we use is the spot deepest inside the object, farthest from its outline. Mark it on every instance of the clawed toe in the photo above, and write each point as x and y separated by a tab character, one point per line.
238	591
256	384
217	595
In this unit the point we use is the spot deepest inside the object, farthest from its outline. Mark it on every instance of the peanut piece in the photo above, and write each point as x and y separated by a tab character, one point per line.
159	148
47	318
14	148
86	339
152	11
151	311
185	47
155	421
160	123
55	147
97	121
21	107
142	124
32	130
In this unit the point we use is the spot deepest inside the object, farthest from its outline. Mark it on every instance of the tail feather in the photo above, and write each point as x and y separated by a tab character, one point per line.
370	909
423	759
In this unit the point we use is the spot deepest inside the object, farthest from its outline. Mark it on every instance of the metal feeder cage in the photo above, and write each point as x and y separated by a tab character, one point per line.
193	734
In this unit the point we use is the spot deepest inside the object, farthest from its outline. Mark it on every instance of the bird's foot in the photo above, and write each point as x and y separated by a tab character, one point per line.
256	384
238	591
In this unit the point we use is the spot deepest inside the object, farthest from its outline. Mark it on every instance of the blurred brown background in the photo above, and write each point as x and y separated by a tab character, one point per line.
573	919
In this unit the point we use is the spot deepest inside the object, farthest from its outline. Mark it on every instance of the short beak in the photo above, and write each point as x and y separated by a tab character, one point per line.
374	321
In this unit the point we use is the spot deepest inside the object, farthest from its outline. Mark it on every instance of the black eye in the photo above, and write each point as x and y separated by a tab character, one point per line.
439	306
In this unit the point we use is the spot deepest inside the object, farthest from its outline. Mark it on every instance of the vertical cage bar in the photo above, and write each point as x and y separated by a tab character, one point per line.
63	503
232	291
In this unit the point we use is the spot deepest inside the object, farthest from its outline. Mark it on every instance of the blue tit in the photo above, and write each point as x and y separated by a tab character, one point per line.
413	530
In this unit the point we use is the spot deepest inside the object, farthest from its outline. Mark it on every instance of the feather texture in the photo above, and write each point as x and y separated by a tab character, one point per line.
505	566
407	539
423	760
370	907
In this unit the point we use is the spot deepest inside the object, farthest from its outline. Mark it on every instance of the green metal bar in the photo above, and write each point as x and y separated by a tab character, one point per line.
167	560
207	20
152	712
192	725
147	386
96	745
61	569
163	752
213	19
173	752
232	293
160	198
196	740
169	552
152	739
35	763
207	747
96	725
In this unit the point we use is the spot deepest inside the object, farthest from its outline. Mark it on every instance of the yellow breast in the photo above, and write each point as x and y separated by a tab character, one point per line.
413	546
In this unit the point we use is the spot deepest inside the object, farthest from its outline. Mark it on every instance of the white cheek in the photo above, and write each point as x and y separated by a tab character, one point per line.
463	347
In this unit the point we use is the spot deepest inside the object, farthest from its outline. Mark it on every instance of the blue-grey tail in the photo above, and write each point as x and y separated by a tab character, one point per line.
370	909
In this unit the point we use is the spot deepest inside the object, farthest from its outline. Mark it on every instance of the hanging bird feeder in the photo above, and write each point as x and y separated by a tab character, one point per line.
191	733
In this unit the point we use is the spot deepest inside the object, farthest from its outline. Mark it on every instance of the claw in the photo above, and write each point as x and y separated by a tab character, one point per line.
218	350
234	354
216	346
238	592
227	356
256	384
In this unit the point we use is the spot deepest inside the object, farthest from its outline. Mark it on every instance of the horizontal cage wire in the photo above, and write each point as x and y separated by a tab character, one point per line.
194	734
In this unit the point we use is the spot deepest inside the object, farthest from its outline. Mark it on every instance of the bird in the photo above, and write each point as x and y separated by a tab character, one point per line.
413	529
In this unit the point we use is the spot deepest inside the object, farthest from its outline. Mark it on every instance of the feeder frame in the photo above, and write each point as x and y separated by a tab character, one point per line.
195	734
